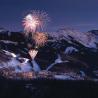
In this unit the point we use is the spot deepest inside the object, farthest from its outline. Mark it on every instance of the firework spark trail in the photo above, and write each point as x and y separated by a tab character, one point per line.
30	23
35	20
40	38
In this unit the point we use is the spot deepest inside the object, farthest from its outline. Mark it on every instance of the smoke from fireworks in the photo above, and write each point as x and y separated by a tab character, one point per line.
35	20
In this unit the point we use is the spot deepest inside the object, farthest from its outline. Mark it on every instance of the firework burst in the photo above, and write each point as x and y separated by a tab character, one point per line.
30	23
40	38
36	20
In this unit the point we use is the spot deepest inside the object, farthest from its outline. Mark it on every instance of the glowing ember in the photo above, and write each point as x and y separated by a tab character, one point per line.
35	20
30	23
33	53
40	38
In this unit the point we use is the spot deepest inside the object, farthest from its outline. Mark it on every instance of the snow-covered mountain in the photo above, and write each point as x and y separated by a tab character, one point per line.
87	39
65	50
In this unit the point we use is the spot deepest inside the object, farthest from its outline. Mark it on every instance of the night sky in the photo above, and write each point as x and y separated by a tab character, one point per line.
81	15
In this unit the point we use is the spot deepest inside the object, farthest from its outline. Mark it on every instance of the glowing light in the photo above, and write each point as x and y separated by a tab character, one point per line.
35	20
33	53
30	23
40	38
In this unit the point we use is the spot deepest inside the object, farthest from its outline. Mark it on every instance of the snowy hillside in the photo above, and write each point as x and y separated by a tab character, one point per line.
87	39
71	54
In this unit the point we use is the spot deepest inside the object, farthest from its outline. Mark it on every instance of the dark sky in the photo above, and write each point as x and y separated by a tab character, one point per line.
78	14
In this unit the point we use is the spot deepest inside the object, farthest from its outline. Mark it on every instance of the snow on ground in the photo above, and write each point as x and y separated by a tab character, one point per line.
8	42
19	67
36	67
22	65
70	49
15	62
58	60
